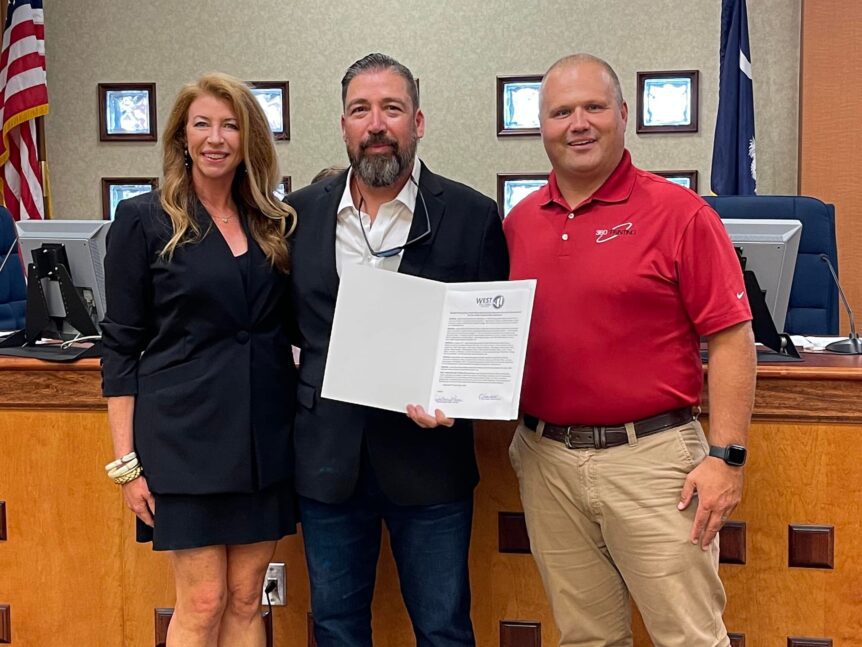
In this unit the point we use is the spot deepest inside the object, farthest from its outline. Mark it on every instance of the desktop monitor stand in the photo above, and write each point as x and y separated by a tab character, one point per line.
782	348
40	324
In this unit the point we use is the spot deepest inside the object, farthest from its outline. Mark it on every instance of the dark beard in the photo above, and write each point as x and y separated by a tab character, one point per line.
382	170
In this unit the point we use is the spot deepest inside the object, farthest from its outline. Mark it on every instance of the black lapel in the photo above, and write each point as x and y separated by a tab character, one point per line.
415	256
317	233
260	273
219	254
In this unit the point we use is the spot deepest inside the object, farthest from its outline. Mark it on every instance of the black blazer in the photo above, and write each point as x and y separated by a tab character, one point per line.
414	466
211	368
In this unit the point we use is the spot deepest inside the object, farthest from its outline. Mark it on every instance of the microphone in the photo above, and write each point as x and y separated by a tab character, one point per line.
852	345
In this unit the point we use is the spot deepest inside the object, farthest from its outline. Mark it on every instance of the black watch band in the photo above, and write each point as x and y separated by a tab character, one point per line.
734	455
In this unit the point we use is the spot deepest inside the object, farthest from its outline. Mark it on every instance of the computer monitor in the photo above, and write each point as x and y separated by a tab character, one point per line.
81	249
769	249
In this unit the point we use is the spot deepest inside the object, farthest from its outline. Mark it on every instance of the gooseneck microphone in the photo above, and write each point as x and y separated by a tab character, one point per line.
851	345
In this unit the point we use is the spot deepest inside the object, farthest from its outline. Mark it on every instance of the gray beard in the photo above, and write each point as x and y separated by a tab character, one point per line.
382	170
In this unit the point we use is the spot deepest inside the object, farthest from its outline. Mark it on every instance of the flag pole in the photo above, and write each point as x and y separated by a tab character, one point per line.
42	156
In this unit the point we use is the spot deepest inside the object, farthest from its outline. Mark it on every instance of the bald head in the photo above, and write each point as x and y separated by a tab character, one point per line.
574	60
582	118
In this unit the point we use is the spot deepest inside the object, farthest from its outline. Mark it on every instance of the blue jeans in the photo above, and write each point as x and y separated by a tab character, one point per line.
430	545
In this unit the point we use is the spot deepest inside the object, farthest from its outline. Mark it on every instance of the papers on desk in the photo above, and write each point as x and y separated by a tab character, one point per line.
399	340
813	343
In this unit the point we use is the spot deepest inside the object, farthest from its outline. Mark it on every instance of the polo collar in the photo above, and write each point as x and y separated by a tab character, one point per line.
616	188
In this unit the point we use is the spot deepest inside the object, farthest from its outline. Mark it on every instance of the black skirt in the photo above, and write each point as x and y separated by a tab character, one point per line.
196	520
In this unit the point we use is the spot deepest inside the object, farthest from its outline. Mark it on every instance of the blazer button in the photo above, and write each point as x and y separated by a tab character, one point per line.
242	337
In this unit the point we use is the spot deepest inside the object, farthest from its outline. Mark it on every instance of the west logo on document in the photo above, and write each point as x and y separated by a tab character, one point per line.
623	229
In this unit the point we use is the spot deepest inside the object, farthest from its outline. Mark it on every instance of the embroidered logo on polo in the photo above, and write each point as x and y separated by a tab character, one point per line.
606	235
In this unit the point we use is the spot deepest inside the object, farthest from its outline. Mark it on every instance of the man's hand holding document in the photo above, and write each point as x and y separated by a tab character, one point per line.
458	347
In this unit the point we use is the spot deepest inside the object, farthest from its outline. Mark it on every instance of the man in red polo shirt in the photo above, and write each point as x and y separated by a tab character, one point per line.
623	495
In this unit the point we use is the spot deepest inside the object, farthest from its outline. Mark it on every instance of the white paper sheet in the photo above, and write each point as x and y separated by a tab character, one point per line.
458	347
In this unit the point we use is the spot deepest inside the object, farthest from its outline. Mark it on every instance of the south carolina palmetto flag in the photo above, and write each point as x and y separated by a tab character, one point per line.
734	167
23	98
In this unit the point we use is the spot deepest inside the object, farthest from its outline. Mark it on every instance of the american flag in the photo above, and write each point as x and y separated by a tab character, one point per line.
23	98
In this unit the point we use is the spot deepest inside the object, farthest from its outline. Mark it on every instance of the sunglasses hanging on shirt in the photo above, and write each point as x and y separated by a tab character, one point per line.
394	251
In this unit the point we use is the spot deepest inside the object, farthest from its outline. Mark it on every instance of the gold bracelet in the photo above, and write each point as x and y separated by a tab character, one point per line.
129	477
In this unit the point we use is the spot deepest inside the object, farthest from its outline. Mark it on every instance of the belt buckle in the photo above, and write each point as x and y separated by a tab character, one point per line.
600	440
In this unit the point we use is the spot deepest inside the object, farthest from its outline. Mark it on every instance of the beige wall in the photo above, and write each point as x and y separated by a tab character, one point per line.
455	47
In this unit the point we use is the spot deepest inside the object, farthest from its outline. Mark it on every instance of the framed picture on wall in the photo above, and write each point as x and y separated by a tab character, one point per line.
688	179
514	187
667	102
115	189
283	187
518	105
274	98
127	112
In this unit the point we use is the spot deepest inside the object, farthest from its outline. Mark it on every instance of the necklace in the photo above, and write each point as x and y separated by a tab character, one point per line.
214	215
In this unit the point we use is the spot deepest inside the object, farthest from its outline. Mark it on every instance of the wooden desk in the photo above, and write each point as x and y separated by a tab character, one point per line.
73	575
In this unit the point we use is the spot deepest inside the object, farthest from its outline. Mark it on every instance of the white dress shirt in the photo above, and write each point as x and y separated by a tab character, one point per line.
390	229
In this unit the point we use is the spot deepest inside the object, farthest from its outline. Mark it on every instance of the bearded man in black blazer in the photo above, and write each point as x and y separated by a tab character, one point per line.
358	467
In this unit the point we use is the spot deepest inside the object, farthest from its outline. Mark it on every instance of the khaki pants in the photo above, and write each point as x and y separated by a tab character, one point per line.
604	524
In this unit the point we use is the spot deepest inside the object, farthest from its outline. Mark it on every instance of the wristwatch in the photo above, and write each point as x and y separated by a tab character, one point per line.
734	455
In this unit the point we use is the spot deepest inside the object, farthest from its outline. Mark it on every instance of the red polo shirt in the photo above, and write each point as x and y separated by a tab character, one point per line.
627	283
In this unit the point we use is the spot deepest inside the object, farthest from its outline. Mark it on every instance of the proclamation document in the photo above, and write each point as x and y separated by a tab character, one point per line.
458	347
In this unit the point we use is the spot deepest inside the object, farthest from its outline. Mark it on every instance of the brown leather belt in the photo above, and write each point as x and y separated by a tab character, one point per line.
587	437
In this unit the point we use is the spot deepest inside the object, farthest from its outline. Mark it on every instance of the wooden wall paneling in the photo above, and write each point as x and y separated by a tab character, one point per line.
512	533
829	132
290	622
731	541
151	573
811	546
38	385
823	388
5	624
74	528
505	585
514	633
797	473
64	553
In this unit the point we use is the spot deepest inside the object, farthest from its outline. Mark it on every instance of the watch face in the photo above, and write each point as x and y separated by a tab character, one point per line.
735	455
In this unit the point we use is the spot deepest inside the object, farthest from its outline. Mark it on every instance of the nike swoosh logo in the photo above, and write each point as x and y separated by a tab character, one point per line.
739	295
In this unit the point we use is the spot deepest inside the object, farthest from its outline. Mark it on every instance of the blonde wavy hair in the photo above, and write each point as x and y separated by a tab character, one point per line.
269	220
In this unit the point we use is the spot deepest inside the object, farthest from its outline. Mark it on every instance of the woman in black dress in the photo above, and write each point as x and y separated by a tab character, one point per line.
197	365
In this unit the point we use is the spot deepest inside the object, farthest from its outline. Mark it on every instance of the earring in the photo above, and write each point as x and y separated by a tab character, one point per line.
187	158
